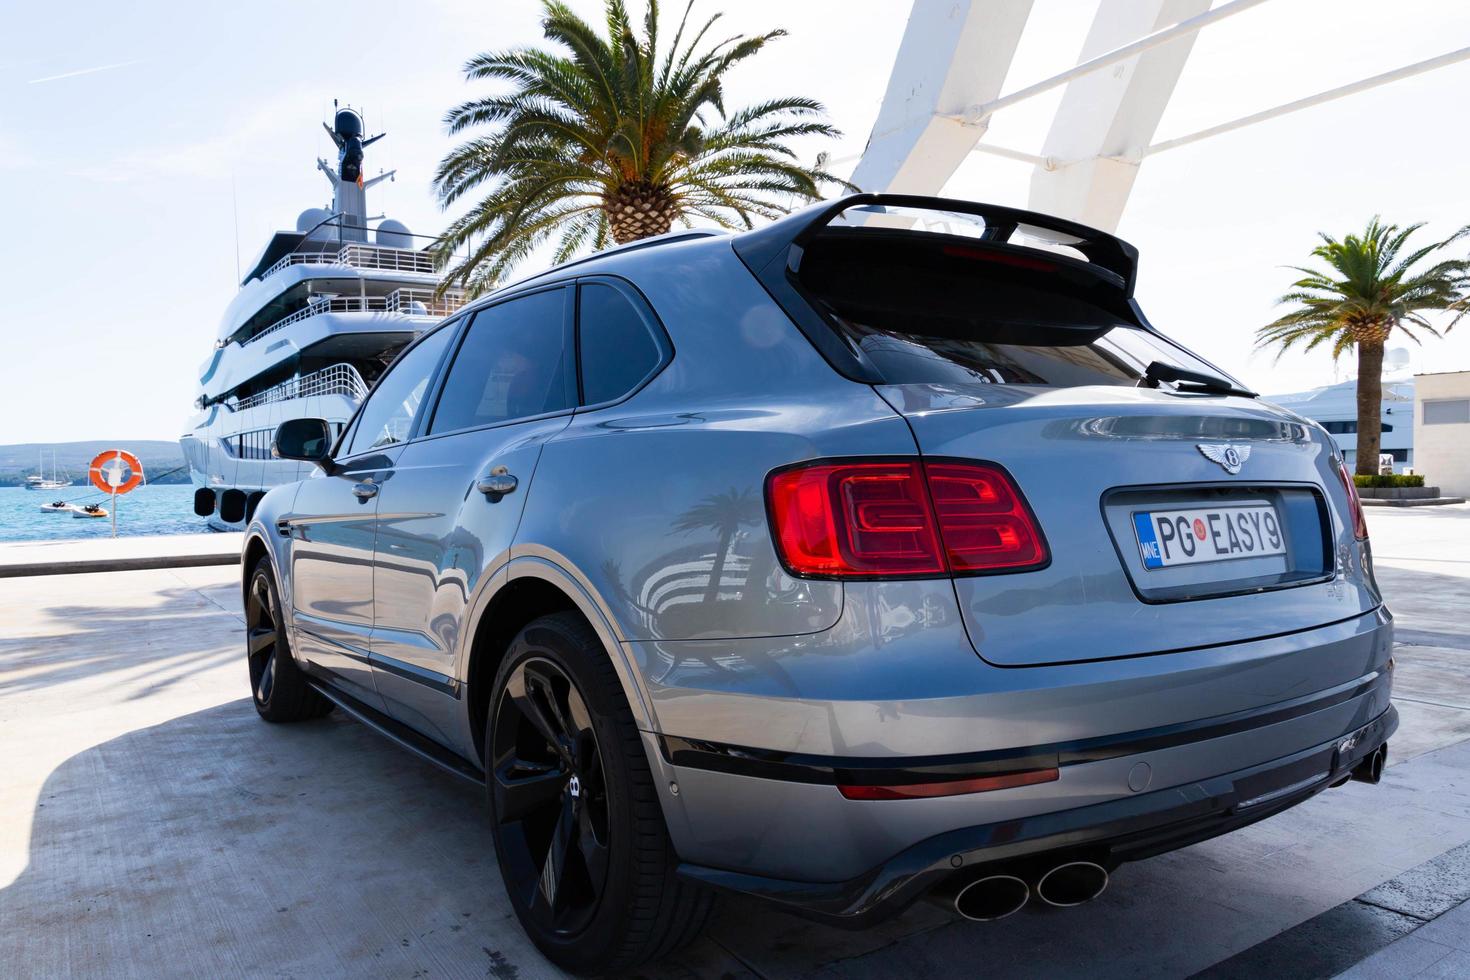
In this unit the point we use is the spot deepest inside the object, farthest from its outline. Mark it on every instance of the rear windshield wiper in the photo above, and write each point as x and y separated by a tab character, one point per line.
1190	381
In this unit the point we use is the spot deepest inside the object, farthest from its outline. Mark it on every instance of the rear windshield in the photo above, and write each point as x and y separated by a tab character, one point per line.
923	310
1118	357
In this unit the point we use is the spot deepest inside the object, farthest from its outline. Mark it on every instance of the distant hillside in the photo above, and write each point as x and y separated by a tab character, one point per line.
158	457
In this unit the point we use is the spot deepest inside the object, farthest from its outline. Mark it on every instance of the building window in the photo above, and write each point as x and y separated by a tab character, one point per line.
1448	412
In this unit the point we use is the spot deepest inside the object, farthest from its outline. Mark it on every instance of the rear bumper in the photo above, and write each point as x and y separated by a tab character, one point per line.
1119	830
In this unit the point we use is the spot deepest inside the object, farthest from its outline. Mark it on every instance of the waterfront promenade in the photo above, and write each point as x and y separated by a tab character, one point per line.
151	825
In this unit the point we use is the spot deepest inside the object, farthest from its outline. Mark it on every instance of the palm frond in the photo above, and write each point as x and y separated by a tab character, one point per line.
602	112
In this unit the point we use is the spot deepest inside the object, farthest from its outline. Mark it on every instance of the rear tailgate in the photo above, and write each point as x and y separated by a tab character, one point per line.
1179	511
1102	468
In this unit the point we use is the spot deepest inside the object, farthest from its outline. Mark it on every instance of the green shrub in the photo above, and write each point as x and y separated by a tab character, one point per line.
1396	480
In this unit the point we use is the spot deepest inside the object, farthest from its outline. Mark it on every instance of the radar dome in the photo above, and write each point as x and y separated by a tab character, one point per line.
394	234
311	220
347	123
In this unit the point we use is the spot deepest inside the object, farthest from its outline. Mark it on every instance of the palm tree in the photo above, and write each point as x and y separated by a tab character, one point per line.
604	140
1366	293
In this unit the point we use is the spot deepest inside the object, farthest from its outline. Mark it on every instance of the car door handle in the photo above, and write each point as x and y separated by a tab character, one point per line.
365	491
499	481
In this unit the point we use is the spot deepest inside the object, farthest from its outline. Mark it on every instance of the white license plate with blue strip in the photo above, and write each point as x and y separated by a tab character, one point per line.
1205	534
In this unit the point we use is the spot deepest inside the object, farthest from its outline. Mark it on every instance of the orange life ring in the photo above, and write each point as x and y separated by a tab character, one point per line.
110	463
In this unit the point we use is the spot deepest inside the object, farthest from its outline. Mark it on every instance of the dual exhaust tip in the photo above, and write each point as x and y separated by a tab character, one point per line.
1370	770
996	896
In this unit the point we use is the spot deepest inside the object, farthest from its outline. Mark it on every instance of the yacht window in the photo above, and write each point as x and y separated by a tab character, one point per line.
511	365
388	414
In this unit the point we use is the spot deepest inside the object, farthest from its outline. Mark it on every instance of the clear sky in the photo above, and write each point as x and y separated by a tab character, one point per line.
133	135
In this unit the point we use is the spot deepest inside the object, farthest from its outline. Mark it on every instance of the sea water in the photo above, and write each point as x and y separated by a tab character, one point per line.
164	509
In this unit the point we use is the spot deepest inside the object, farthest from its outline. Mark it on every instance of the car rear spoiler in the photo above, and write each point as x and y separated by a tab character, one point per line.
773	254
783	239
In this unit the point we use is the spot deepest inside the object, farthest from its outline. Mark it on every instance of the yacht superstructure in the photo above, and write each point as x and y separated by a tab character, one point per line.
319	315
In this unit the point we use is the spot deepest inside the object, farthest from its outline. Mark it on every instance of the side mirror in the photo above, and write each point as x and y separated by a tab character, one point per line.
309	440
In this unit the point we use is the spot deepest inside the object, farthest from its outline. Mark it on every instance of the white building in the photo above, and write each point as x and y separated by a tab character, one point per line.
1442	430
1336	407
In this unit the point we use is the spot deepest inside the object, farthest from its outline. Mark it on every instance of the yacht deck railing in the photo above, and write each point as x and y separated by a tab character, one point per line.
408	302
377	257
338	379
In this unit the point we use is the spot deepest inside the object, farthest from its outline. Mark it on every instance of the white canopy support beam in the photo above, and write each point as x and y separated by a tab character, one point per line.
1018	155
1106	117
1408	71
953	60
954	54
1114	11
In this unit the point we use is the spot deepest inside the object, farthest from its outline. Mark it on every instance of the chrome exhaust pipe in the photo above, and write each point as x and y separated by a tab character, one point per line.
1370	770
984	899
1072	883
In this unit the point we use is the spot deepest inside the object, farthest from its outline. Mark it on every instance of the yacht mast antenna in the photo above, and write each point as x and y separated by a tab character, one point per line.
348	186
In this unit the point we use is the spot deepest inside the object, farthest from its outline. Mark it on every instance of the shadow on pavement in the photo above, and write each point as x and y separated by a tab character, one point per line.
215	844
89	641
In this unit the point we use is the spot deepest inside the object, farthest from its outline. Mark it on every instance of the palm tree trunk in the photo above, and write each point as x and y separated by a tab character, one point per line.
1370	403
717	568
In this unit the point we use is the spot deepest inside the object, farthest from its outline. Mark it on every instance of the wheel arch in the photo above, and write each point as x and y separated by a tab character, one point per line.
528	588
259	544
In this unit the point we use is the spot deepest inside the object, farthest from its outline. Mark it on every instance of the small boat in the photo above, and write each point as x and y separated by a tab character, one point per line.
91	510
56	507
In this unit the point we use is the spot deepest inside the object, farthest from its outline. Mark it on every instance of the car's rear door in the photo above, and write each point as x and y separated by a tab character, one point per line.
449	512
334	523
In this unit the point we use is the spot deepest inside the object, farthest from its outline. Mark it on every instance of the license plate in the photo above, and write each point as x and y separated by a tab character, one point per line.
1205	534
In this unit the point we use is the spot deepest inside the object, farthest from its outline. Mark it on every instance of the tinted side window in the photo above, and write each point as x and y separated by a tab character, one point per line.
616	348
511	365
390	409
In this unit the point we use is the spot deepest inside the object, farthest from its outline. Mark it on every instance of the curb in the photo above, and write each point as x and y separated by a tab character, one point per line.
26	569
1409	501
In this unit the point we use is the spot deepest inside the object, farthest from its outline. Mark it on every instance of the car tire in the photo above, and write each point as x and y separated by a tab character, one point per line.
277	686
567	776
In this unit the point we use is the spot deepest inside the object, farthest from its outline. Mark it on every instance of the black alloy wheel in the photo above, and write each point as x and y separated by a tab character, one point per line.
550	797
277	686
262	639
578	825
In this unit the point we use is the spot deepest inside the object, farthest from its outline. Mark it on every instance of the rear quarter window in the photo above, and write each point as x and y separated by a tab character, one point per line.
616	345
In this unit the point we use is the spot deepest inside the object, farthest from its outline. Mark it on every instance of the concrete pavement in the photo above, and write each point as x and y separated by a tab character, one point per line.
1439	949
151	825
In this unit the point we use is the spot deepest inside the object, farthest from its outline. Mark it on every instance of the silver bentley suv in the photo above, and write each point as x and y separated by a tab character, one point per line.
884	552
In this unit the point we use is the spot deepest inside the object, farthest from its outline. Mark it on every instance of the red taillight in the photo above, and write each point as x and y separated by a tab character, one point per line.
951	787
901	518
982	520
855	519
1355	504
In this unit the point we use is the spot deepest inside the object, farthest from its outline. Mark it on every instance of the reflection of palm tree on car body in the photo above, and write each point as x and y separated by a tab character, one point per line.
725	513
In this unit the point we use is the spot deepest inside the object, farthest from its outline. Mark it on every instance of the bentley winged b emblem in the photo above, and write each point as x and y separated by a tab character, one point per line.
1231	458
